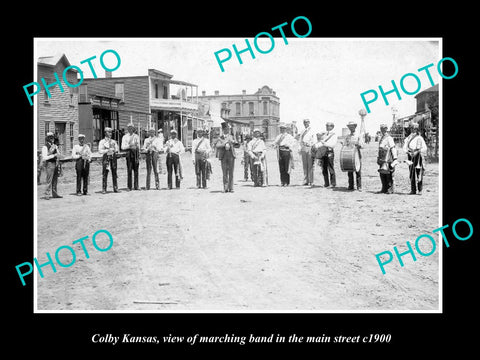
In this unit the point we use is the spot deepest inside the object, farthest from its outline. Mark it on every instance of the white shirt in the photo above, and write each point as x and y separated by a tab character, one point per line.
416	144
135	140
79	150
154	143
307	138
203	147
329	139
107	145
354	139
45	155
175	146
256	145
285	139
386	142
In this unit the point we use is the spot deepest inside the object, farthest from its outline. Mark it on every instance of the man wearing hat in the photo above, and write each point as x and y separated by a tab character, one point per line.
161	156
108	148
284	143
131	144
416	148
257	151
307	139
200	152
173	148
49	156
226	154
152	146
387	160
82	154
328	140
353	139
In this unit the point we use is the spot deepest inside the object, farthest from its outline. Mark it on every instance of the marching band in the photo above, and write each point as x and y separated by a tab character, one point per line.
254	158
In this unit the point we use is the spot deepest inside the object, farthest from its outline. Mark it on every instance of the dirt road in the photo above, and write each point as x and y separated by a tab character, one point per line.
273	248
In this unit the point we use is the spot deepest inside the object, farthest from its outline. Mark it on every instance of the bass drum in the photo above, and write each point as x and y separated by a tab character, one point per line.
350	159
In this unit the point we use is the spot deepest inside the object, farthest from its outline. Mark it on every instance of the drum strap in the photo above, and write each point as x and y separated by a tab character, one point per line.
329	137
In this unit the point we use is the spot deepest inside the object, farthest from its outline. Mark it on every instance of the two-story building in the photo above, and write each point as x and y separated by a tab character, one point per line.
259	110
154	100
57	113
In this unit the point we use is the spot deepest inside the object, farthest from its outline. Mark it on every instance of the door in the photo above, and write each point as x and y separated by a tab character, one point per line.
60	136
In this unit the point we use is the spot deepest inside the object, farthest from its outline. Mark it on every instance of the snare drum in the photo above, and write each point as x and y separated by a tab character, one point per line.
350	159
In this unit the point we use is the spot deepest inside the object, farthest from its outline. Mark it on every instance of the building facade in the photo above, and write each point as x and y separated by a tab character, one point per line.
259	110
57	113
154	100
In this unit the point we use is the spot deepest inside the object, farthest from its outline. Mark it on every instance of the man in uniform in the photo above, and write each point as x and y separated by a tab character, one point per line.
82	154
284	144
200	152
173	148
387	160
307	139
161	156
353	139
329	140
49	156
257	151
131	144
247	163
416	148
108	148
152	146
226	154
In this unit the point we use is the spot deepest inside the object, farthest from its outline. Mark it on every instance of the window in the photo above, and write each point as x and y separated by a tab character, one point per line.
237	108
156	91
71	133
82	94
47	127
119	91
265	108
165	92
250	108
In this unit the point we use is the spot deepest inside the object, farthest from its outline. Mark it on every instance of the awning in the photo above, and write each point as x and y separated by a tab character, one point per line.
217	121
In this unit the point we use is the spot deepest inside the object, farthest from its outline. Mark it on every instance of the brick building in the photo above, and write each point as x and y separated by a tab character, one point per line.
59	112
258	110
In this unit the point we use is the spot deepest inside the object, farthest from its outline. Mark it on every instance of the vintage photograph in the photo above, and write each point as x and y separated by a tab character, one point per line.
295	180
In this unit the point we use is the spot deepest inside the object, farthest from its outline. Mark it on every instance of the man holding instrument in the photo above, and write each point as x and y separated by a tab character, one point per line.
109	149
82	154
416	148
50	154
152	146
387	160
284	144
307	139
257	151
200	152
174	148
131	144
353	139
325	147
226	154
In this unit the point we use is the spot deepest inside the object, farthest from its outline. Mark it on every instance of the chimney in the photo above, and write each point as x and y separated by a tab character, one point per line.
108	74
217	92
244	92
204	93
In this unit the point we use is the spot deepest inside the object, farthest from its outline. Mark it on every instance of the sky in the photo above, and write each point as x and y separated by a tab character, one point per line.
316	78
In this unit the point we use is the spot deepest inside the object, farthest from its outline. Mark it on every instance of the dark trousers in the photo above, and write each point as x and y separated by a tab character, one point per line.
351	180
201	170
228	164
173	161
387	182
416	175
152	162
52	177
82	167
109	161
328	170
283	164
133	161
247	166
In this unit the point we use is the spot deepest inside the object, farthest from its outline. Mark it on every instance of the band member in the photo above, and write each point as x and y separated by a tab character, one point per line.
257	151
161	155
416	148
387	160
328	140
131	144
246	161
109	149
284	143
200	153
353	139
81	152
173	148
152	146
50	154
307	139
226	154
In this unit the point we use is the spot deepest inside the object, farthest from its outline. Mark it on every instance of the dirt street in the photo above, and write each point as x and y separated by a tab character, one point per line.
274	248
